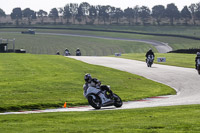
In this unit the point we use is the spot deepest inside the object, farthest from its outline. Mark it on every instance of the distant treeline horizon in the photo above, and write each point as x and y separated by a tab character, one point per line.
84	13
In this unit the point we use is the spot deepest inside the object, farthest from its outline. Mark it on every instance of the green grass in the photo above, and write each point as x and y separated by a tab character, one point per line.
46	44
50	44
173	59
182	119
47	81
180	30
44	81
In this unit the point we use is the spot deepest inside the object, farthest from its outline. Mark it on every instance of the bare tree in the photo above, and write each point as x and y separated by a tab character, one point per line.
74	10
192	9
136	13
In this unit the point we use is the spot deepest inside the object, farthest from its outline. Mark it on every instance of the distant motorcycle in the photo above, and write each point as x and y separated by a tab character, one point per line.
78	53
150	59
198	66
67	53
98	98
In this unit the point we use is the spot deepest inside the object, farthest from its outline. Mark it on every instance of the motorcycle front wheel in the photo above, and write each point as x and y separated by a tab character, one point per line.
94	102
118	102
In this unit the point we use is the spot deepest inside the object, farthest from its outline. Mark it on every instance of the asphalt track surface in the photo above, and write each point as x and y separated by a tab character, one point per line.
184	80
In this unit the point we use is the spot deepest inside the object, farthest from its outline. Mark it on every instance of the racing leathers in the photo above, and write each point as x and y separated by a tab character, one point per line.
150	52
196	60
96	84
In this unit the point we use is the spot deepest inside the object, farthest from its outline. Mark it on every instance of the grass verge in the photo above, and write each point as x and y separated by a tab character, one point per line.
182	119
44	44
50	44
172	59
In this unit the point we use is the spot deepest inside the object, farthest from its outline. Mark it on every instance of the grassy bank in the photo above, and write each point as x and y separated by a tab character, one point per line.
172	59
182	119
179	30
44	81
50	44
46	44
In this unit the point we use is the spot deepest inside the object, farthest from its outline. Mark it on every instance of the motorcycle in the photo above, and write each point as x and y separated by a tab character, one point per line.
67	53
98	98
198	66
78	53
150	59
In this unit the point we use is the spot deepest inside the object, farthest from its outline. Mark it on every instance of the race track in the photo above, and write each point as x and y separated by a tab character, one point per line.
184	80
160	46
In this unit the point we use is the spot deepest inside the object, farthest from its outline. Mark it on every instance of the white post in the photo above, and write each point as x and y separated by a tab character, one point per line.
5	48
13	44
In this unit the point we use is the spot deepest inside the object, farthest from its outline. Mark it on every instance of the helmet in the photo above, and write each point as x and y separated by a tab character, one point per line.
87	78
198	53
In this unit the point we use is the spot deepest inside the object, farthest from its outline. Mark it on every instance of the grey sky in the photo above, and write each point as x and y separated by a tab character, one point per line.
47	5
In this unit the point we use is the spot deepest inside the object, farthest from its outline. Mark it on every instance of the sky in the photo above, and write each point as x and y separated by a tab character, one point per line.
8	5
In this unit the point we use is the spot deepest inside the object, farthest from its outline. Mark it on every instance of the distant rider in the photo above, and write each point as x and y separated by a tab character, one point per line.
93	82
78	52
197	58
57	53
66	52
150	52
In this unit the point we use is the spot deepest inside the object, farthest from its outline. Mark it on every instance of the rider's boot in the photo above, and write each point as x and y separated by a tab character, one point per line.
110	93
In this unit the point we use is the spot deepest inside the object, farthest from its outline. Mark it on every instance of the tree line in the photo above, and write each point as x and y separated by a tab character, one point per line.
89	14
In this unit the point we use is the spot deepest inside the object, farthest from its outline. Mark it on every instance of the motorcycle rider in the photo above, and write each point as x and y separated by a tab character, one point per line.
78	52
197	57
66	52
57	53
93	82
150	52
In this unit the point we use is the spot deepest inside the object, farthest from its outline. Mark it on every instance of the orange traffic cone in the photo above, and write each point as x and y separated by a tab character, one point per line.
65	105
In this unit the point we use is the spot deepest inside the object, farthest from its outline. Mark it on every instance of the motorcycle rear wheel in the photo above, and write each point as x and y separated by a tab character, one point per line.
95	103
